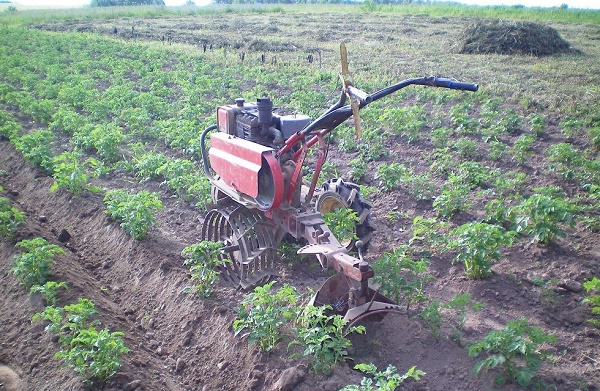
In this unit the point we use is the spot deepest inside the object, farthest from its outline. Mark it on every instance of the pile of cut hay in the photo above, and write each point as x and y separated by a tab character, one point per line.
512	37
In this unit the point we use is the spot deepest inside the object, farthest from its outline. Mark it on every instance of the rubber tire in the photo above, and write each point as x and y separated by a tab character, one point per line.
347	194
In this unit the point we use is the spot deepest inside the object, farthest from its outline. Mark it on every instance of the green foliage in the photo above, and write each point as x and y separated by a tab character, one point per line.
113	3
478	246
593	134
521	149
32	266
466	148
400	277
497	150
431	316
37	148
571	127
452	200
10	219
472	174
147	165
516	351
94	355
541	217
342	223
204	259
387	380
49	291
405	121
134	211
323	337
429	232
69	173
537	122
263	315
182	177
358	169
565	159
390	175
592	288
460	304
9	127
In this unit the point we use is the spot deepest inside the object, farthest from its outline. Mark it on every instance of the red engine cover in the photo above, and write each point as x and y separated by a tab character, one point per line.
247	167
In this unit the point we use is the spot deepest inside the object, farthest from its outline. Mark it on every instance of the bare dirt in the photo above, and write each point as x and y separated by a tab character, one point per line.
178	342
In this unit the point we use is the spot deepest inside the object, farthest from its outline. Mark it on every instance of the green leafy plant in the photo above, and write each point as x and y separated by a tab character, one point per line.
324	337
358	169
431	317
400	277
390	175
547	294
517	351
49	291
537	123
32	267
542	216
387	380
478	246
134	211
37	148
9	127
204	259
565	159
460	304
10	219
263	315
466	148
453	199
94	355
522	148
69	173
342	223
592	287
429	232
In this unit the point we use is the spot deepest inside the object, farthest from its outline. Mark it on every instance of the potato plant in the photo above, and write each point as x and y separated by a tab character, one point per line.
32	266
479	245
94	355
10	219
386	380
135	211
263	315
517	351
542	216
323	337
592	288
204	259
401	277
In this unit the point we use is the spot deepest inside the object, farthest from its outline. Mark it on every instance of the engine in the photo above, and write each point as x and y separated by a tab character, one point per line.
257	122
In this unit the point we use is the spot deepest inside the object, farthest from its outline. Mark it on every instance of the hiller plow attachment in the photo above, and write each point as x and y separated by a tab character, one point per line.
247	242
354	301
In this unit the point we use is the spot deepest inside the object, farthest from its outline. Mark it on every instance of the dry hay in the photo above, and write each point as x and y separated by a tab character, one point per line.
512	37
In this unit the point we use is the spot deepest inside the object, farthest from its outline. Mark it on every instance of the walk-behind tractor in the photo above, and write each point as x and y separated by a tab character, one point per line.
257	163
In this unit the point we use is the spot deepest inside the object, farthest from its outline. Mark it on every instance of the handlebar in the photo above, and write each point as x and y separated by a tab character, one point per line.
455	85
340	112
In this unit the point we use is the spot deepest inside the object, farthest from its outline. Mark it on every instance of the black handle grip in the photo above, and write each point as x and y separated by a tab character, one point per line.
455	85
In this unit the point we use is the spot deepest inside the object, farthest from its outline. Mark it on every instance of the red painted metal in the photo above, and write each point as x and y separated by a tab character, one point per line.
239	164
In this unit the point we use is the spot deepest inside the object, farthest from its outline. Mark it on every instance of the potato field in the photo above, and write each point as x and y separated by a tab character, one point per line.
486	205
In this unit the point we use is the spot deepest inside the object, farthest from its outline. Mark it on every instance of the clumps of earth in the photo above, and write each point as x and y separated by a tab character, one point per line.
512	37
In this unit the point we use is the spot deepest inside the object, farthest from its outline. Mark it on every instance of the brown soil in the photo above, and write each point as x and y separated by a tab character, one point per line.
178	342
